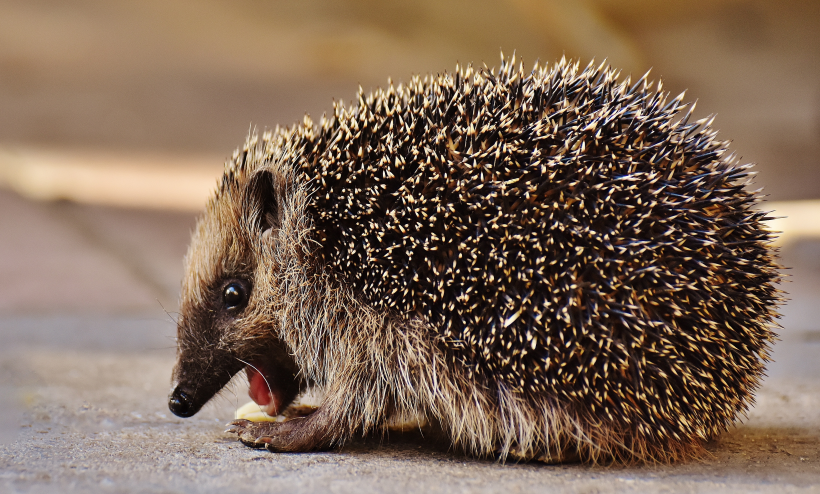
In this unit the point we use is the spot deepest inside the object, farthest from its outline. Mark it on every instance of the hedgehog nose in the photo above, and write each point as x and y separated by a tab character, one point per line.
181	403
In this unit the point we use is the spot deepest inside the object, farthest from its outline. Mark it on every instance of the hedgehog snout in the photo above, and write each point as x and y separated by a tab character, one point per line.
181	403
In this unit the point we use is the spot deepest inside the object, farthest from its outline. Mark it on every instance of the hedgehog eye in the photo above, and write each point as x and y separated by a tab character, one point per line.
235	295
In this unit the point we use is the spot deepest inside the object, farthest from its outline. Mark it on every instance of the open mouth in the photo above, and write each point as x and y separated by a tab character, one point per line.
266	390
277	395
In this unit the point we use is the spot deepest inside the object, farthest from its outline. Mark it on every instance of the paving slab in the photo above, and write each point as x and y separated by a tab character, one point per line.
62	258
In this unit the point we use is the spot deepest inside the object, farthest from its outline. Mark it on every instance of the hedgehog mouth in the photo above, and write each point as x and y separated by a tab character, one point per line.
265	390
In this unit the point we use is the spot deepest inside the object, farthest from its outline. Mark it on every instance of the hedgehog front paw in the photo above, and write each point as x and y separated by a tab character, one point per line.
253	434
298	434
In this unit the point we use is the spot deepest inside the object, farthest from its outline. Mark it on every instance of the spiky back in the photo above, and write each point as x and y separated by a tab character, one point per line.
568	234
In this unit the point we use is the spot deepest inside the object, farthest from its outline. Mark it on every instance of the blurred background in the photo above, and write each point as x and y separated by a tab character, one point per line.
116	118
175	81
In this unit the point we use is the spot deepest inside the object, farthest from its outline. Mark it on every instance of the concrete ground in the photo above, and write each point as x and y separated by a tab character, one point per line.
87	350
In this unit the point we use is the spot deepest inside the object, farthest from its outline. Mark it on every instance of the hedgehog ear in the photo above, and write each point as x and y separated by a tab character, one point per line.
264	204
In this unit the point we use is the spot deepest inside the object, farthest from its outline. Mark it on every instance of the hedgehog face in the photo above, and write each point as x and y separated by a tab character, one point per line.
225	321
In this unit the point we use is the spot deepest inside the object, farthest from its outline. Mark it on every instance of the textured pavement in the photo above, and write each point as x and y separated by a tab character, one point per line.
86	349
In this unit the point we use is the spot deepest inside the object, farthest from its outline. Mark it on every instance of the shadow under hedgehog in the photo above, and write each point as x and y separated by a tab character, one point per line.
548	265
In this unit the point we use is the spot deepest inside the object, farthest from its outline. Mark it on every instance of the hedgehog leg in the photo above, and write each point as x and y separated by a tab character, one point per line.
557	459
555	456
309	433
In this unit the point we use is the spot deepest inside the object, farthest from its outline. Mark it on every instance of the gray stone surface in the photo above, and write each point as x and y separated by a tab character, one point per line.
86	353
95	420
51	265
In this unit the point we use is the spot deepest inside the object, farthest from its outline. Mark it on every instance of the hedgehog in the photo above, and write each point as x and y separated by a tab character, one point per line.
550	265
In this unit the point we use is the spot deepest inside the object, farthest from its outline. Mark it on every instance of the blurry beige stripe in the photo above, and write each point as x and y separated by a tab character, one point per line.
142	181
184	183
794	219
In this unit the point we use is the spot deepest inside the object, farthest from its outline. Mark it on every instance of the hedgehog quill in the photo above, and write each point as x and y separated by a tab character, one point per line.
550	265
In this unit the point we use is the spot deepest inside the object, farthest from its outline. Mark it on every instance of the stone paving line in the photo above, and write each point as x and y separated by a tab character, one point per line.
86	351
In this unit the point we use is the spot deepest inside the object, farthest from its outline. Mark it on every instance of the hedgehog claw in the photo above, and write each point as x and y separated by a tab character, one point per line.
237	426
253	434
252	444
273	449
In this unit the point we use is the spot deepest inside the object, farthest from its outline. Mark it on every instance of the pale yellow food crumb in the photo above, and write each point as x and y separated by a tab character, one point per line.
253	412
310	400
